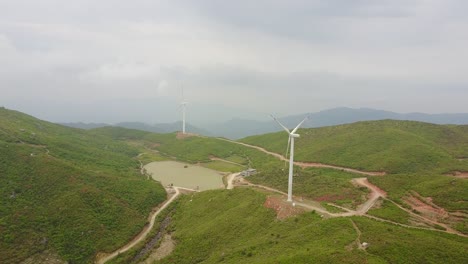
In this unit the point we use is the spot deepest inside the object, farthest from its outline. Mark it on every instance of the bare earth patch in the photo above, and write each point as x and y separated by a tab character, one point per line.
45	257
331	198
282	208
425	207
436	214
459	174
181	135
165	248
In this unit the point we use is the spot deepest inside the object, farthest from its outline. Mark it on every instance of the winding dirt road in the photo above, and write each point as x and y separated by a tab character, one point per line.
375	194
308	164
101	259
230	179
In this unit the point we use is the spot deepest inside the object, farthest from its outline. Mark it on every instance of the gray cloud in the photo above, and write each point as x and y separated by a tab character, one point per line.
263	56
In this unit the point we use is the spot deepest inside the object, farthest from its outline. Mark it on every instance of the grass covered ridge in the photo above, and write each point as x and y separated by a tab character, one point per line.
67	190
387	145
235	227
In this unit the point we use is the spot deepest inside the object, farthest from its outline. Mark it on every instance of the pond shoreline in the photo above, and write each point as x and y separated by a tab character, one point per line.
185	175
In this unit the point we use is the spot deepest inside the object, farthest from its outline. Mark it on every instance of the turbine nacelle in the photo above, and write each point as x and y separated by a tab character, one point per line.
294	135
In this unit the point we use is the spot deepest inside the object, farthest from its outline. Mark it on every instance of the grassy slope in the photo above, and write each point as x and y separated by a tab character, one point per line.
191	149
388	145
313	183
419	168
234	227
415	154
82	197
249	227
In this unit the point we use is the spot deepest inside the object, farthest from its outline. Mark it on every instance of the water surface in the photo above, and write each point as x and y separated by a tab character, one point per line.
173	172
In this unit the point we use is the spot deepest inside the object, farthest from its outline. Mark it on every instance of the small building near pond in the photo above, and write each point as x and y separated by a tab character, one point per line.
248	172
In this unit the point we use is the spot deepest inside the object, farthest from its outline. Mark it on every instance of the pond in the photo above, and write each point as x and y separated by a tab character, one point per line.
185	175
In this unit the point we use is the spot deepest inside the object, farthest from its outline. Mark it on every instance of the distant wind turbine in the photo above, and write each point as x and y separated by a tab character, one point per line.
183	105
292	135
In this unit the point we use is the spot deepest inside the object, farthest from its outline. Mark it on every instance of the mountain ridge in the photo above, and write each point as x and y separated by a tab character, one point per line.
237	128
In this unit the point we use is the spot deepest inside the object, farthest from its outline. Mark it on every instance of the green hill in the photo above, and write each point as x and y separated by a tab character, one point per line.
67	190
234	227
388	145
416	156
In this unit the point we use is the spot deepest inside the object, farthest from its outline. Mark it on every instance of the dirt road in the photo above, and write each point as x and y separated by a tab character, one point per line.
308	164
227	161
142	235
375	194
230	180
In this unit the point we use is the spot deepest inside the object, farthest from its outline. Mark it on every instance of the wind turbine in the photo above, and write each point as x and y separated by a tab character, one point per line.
292	135
183	105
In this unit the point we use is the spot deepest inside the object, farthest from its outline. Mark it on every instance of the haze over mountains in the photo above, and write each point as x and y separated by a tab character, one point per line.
236	128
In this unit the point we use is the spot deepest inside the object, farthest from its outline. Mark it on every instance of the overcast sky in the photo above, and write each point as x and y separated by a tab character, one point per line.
263	56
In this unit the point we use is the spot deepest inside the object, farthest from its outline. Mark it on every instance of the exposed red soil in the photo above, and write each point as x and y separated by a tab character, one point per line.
459	174
282	208
181	135
309	164
331	198
374	188
321	165
426	207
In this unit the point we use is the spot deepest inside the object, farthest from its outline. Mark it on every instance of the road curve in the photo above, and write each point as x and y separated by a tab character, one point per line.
142	235
375	194
308	164
230	179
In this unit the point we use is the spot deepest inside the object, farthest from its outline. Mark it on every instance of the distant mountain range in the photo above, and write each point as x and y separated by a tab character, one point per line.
239	128
157	128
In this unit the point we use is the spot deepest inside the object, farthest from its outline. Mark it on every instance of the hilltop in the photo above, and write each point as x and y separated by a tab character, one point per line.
388	145
237	128
67	191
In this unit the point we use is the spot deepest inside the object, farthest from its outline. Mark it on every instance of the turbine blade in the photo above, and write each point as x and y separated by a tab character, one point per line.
295	129
277	121
287	151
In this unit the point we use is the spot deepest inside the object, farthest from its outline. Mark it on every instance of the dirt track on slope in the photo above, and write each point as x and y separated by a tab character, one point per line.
459	174
375	194
103	258
308	164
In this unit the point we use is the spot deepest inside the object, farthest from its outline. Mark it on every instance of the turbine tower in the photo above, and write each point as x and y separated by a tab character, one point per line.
292	135
183	105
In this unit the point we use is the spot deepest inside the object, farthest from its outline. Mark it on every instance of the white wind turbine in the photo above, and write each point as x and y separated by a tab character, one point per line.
183	105
292	135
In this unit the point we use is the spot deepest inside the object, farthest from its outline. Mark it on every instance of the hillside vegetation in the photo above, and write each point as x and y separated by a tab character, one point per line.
67	190
326	184
387	145
235	227
416	156
79	192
